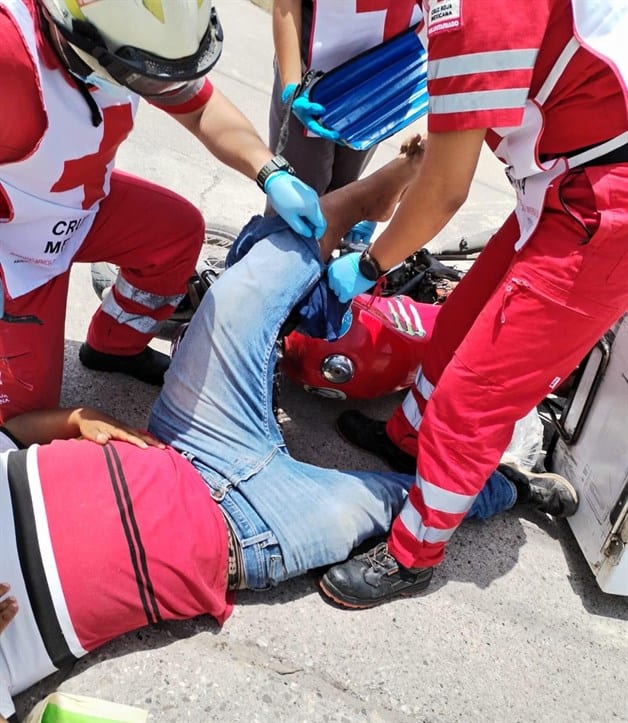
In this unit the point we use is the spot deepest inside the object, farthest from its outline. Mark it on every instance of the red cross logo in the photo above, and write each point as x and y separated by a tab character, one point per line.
90	171
398	13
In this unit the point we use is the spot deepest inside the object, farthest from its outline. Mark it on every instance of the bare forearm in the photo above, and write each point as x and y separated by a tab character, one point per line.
228	135
433	197
287	19
44	426
419	217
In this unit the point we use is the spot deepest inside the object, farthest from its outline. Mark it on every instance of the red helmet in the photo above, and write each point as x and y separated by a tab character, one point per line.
377	355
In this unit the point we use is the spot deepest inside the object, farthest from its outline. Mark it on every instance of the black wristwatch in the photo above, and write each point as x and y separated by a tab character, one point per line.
369	268
278	163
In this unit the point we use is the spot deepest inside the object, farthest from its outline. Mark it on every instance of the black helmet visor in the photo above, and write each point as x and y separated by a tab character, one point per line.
141	71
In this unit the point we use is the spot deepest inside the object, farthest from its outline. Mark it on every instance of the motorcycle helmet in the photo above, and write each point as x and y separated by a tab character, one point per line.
377	355
149	46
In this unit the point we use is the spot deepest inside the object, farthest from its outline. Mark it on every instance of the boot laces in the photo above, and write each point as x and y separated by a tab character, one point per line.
380	557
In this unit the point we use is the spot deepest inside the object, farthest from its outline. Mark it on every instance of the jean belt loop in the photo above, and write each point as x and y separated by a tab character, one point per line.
218	495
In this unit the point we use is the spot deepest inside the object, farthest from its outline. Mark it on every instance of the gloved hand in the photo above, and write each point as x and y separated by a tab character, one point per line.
296	203
361	233
288	92
305	110
345	279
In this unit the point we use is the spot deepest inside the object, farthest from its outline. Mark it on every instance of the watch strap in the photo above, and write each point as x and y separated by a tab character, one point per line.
369	266
277	163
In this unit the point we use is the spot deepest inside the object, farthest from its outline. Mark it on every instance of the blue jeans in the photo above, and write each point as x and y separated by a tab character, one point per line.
216	408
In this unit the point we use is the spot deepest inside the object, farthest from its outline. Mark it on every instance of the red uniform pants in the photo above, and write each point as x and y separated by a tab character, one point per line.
155	236
517	325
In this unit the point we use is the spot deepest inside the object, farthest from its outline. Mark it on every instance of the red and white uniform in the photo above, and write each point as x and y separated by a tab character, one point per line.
342	29
61	201
549	82
73	507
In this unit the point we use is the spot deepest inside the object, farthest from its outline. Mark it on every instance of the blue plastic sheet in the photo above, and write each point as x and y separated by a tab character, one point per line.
375	94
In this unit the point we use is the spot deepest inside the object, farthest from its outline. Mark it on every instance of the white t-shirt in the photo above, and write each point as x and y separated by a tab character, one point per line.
7	574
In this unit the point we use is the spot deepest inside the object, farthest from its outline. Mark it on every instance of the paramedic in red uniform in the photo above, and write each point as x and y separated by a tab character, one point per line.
545	85
63	118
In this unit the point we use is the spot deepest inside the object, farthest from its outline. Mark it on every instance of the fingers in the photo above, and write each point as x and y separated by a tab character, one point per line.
323	132
300	226
316	108
148	439
413	146
8	607
140	439
316	223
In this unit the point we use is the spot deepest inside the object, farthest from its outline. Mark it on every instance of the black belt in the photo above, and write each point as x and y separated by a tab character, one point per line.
619	155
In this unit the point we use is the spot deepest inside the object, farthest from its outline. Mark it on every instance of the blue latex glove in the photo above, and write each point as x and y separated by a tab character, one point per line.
361	233
296	203
345	279
288	92
305	110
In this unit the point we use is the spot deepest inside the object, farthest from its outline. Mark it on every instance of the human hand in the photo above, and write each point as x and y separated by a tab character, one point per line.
99	427
413	146
308	112
296	203
345	279
361	233
8	606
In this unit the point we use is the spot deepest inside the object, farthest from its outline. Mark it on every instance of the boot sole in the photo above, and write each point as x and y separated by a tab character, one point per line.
549	475
356	604
95	362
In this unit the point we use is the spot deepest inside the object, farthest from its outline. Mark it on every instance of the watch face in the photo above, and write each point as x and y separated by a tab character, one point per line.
368	269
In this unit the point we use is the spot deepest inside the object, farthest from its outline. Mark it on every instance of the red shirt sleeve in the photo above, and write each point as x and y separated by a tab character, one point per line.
193	96
485	59
481	57
23	119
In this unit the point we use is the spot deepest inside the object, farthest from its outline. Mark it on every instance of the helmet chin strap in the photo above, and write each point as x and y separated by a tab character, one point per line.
52	35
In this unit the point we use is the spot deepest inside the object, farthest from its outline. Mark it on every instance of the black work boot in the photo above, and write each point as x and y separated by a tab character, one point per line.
372	578
148	366
547	491
370	434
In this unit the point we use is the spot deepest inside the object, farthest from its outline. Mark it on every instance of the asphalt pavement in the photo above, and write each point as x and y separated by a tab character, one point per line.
514	627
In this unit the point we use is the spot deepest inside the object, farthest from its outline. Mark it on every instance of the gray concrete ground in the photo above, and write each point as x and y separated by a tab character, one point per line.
514	627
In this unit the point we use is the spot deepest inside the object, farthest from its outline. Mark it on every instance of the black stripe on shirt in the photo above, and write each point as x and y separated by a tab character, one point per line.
137	551
13	438
32	564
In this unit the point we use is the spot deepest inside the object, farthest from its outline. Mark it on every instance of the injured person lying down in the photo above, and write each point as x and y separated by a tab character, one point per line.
114	531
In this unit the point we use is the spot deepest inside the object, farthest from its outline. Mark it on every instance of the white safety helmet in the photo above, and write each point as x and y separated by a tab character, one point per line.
149	46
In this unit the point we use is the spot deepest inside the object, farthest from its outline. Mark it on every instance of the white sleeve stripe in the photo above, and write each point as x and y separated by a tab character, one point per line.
437	498
411	411
559	66
140	322
479	100
48	558
423	384
471	63
145	298
413	522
